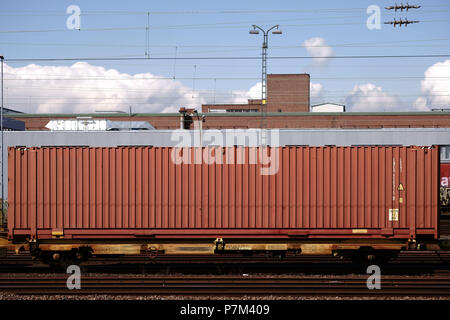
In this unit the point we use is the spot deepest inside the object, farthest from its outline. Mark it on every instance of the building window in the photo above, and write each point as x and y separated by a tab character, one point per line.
445	153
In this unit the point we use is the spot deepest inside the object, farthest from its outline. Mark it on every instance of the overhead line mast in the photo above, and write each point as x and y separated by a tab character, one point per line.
264	76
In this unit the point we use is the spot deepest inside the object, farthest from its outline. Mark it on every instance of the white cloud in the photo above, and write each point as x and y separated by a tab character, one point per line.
255	91
316	93
71	89
318	49
435	87
240	96
370	98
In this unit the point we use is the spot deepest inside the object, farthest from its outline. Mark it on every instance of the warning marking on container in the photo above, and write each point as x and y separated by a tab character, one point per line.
393	214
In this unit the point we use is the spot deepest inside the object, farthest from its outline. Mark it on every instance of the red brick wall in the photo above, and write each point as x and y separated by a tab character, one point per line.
288	93
301	120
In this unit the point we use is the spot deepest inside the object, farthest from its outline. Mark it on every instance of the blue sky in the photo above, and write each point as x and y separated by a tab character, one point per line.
220	29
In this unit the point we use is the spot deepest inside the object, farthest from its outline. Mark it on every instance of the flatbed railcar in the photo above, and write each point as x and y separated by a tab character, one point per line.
356	201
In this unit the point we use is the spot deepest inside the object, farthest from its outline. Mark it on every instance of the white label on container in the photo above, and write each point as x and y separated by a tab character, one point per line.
393	214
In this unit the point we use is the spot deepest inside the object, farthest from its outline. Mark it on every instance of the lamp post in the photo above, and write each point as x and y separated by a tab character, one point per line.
265	44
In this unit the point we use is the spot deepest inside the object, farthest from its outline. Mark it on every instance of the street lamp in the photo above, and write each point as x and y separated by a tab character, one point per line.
256	30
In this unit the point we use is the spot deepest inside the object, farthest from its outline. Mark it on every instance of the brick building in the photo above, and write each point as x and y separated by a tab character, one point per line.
274	120
285	93
288	106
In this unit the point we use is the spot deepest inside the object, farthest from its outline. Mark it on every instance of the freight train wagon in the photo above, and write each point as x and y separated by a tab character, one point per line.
75	202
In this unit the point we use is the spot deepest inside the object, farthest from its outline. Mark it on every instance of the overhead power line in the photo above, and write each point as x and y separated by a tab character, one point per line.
226	58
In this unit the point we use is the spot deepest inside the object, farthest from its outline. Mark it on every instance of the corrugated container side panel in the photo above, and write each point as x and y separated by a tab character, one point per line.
428	190
327	192
172	180
360	212
380	186
306	186
352	219
40	188
340	187
292	165
219	191
315	188
368	153
347	185
69	187
12	212
25	196
258	191
145	187
99	195
106	187
312	208
212	189
204	193
151	188
333	188
388	160
20	195
59	186
157	187
285	193
17	193
31	185
182	213
167	182
299	189
395	182
181	184
402	195
435	190
375	212
186	212
420	182
428	200
136	182
412	185
84	176
225	193
46	188
198	190
319	190
125	169
79	188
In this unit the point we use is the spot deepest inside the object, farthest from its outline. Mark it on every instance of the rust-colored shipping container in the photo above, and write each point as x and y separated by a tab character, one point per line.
383	192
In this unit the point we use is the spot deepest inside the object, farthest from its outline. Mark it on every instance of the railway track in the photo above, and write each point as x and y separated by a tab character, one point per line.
176	285
406	263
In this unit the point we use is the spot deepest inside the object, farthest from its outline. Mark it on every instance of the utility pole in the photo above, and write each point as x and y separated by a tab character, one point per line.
264	77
